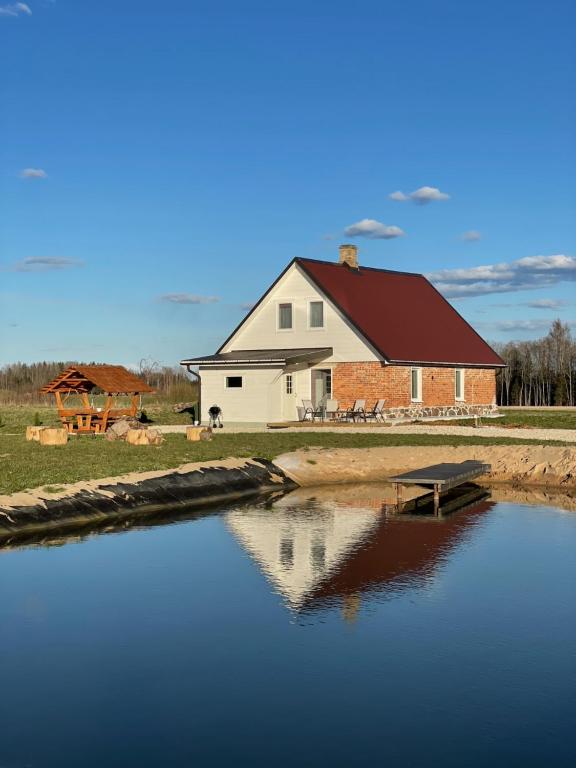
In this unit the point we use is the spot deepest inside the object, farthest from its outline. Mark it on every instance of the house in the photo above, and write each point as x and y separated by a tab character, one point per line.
344	547
343	331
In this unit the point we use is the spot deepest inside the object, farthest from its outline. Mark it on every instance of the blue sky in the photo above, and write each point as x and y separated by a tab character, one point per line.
162	162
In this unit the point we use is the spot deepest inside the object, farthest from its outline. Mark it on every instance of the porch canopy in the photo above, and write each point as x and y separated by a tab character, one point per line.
263	357
81	380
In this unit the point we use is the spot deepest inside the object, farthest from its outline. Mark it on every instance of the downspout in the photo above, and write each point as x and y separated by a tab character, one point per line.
199	379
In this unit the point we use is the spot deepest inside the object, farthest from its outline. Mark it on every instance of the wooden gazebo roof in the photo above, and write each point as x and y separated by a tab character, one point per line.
112	379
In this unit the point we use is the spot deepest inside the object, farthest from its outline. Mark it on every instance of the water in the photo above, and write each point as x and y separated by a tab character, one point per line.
308	630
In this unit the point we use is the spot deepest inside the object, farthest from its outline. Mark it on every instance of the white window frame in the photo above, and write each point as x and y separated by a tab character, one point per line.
418	398
462	373
235	377
279	303
289	384
316	327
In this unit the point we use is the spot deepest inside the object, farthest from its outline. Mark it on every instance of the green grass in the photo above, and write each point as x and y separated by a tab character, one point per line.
15	418
541	419
30	465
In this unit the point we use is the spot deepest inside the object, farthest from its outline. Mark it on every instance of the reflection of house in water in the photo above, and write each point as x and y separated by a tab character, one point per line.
337	545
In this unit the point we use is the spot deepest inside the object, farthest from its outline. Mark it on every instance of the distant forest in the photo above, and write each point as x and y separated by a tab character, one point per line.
20	382
539	372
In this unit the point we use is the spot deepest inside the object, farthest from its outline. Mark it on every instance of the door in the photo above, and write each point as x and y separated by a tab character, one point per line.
321	386
289	404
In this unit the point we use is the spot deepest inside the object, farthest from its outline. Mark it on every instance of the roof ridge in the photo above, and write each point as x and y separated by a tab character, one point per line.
299	259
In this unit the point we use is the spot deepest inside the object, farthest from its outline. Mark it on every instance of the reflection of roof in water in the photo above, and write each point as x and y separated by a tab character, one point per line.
314	550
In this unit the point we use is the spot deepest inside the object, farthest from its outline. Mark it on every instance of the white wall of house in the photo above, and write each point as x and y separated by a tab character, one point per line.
260	331
297	555
259	398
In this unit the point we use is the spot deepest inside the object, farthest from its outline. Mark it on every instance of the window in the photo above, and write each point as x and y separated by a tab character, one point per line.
416	385
286	552
234	382
289	383
318	554
284	317
459	384
316	314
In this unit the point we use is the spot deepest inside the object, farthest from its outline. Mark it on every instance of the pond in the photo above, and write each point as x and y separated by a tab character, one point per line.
311	629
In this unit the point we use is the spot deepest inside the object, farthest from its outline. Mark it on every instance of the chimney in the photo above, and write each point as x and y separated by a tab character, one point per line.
349	255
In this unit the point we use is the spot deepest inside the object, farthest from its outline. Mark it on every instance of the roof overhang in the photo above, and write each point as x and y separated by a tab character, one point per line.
262	357
445	364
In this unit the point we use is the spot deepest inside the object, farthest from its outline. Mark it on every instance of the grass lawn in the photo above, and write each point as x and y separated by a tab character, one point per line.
541	419
29	465
16	418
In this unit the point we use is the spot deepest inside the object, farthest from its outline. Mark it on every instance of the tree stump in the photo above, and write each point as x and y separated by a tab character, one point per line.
144	437
194	434
33	433
53	436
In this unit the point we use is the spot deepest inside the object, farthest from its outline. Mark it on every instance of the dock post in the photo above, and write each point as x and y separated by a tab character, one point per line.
436	499
399	497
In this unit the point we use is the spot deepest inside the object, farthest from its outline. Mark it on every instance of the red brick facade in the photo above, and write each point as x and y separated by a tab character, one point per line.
371	381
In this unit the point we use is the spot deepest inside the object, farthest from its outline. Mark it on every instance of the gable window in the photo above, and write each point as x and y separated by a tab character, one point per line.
285	317
416	385
234	382
316	314
459	384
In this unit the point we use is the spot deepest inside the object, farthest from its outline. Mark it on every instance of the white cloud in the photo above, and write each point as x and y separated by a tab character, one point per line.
524	274
536	324
421	196
545	304
471	236
46	264
188	298
247	306
374	230
33	173
15	9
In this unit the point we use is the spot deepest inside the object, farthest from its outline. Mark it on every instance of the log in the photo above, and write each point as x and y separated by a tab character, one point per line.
33	433
144	437
195	434
53	436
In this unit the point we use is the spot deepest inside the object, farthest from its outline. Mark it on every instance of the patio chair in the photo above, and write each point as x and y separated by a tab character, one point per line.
311	412
331	409
357	411
377	413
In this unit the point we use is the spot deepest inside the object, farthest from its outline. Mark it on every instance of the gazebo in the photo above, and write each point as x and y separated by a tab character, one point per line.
81	380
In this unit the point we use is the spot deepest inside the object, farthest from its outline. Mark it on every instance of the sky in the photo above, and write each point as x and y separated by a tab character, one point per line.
162	162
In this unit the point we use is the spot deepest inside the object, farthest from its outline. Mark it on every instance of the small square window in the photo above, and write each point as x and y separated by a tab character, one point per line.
285	317
316	314
234	382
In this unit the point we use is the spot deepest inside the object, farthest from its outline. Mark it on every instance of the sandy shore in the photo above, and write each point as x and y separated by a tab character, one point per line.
525	464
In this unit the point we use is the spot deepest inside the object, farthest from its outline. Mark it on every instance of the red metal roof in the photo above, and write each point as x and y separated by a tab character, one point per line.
401	314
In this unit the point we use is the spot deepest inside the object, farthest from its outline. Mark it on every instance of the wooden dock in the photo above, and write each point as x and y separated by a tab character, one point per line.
439	477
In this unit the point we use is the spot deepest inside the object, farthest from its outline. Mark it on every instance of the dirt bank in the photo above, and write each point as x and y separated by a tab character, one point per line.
93	501
526	464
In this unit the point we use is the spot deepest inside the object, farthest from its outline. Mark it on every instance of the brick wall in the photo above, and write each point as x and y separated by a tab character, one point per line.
372	381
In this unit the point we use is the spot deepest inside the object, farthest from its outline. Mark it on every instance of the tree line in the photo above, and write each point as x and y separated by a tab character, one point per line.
539	372
20	382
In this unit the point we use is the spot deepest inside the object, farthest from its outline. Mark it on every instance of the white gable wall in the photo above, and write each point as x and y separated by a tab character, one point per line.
260	330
